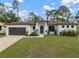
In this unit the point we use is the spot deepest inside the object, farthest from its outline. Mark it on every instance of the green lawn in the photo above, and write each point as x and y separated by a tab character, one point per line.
49	46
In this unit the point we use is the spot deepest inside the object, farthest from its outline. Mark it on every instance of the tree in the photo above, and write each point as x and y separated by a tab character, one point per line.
1	8
77	16
48	14
16	6
64	12
33	17
9	17
54	14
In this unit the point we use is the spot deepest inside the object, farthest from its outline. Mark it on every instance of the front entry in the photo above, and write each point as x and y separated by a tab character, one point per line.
41	29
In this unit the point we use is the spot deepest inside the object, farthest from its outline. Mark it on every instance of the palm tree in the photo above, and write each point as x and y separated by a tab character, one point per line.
33	17
77	17
53	14
48	13
57	14
16	6
64	12
2	8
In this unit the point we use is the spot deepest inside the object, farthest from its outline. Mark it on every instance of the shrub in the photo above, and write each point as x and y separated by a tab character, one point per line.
64	33
2	33
36	30
34	33
77	32
72	33
48	32
69	33
26	33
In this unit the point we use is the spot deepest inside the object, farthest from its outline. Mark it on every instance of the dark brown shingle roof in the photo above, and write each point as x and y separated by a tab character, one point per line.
49	23
61	23
21	23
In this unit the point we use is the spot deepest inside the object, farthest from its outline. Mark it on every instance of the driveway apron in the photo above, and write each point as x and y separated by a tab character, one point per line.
7	41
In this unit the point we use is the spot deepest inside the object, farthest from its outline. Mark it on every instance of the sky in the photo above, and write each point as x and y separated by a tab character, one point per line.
39	6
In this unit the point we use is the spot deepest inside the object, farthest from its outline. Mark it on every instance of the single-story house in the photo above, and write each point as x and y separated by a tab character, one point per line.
42	27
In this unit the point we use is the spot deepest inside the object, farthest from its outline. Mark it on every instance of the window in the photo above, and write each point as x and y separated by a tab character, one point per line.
67	26
33	27
63	26
0	28
72	26
51	28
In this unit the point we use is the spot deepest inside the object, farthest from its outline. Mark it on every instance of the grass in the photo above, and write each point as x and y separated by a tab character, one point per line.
49	46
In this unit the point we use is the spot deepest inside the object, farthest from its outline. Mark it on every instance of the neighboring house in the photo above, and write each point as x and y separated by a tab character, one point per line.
42	27
2	28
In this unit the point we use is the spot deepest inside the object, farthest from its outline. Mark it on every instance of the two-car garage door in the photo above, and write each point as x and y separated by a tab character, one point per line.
17	31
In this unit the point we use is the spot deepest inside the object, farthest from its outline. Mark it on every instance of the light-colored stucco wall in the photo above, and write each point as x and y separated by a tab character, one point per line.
78	28
44	24
29	28
22	26
3	29
45	29
60	29
55	30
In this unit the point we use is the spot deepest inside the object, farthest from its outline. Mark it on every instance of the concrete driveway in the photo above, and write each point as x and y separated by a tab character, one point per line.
7	41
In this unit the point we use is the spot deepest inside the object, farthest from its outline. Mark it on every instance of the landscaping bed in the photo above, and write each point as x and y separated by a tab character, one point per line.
40	36
2	36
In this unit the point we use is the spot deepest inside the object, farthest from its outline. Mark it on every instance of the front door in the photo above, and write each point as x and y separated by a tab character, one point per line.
41	29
